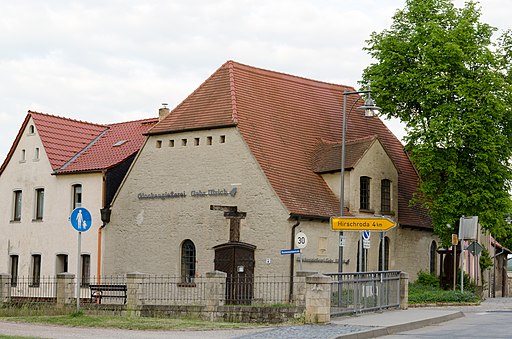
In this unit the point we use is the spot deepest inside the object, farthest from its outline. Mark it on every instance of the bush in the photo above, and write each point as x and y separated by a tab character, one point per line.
421	294
427	279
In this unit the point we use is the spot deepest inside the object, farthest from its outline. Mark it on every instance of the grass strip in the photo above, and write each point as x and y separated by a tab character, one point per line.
129	323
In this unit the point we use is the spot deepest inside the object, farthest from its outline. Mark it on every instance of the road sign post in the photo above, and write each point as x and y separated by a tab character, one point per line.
301	241
365	225
292	251
81	221
349	223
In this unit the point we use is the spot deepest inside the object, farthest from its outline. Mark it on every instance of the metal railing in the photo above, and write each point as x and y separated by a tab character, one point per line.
172	290
364	291
30	289
160	290
268	289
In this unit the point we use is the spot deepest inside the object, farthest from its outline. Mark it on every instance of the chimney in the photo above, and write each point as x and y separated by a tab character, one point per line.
162	112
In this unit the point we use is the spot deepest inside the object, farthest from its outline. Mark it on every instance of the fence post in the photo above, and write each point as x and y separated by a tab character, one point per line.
5	288
404	290
299	297
215	292
134	293
318	299
65	289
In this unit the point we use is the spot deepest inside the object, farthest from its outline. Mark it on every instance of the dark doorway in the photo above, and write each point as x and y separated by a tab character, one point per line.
237	260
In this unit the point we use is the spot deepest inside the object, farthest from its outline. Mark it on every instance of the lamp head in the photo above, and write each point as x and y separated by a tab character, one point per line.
370	110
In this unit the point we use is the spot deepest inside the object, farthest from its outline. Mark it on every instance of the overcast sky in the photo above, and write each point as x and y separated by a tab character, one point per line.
117	60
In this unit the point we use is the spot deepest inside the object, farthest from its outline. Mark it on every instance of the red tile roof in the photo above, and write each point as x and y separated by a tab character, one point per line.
327	156
283	118
77	146
115	144
62	137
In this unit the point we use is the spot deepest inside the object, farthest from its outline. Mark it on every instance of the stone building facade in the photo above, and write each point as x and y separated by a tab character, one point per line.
226	179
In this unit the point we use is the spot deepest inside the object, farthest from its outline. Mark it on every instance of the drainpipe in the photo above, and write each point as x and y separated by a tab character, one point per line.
105	218
292	257
98	266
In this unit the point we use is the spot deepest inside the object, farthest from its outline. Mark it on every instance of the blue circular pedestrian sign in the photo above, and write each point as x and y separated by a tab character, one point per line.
366	235
81	219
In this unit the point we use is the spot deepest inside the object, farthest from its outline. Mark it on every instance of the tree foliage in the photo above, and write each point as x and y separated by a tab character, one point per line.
439	70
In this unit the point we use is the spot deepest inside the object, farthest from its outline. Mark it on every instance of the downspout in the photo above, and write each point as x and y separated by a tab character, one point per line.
105	218
98	266
292	257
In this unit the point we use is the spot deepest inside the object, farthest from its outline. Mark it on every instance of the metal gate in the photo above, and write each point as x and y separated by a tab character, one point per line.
237	260
364	291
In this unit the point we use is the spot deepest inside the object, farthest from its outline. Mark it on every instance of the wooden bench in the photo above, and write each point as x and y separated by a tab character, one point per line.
102	291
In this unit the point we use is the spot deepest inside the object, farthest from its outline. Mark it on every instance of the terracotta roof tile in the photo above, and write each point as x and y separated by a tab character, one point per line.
115	144
62	137
327	156
78	146
282	118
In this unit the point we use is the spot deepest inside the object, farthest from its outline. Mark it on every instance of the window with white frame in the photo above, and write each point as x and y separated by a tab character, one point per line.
77	196
14	270
39	206
86	270
17	200
35	270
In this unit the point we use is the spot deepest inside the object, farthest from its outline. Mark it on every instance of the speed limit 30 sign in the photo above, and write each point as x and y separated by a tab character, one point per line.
301	240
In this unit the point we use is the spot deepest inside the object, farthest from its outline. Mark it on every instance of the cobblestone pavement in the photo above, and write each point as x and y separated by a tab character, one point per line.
61	332
306	331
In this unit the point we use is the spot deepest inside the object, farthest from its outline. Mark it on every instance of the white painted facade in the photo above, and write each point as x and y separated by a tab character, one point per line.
53	235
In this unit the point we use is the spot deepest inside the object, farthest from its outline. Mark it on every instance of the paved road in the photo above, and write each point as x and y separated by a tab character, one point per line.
60	332
489	320
487	324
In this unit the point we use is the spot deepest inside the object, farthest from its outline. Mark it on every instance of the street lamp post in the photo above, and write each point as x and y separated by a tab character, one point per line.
370	110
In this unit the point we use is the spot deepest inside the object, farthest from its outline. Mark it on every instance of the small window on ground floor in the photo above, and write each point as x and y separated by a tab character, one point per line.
35	270
14	270
188	261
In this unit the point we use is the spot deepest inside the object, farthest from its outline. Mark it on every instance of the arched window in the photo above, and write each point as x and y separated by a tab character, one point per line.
188	261
386	255
433	257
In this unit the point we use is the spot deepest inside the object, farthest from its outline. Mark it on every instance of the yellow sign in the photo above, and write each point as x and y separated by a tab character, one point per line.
455	239
361	224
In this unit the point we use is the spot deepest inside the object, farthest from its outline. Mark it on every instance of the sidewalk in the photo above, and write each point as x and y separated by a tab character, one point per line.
368	325
389	322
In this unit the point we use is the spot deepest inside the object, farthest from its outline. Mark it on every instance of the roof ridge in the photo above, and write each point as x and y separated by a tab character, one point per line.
232	89
143	121
361	139
68	119
290	76
199	87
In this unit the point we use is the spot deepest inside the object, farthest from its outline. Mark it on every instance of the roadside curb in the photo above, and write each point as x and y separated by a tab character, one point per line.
382	331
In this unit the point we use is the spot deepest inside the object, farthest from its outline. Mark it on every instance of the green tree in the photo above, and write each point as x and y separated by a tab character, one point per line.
439	70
